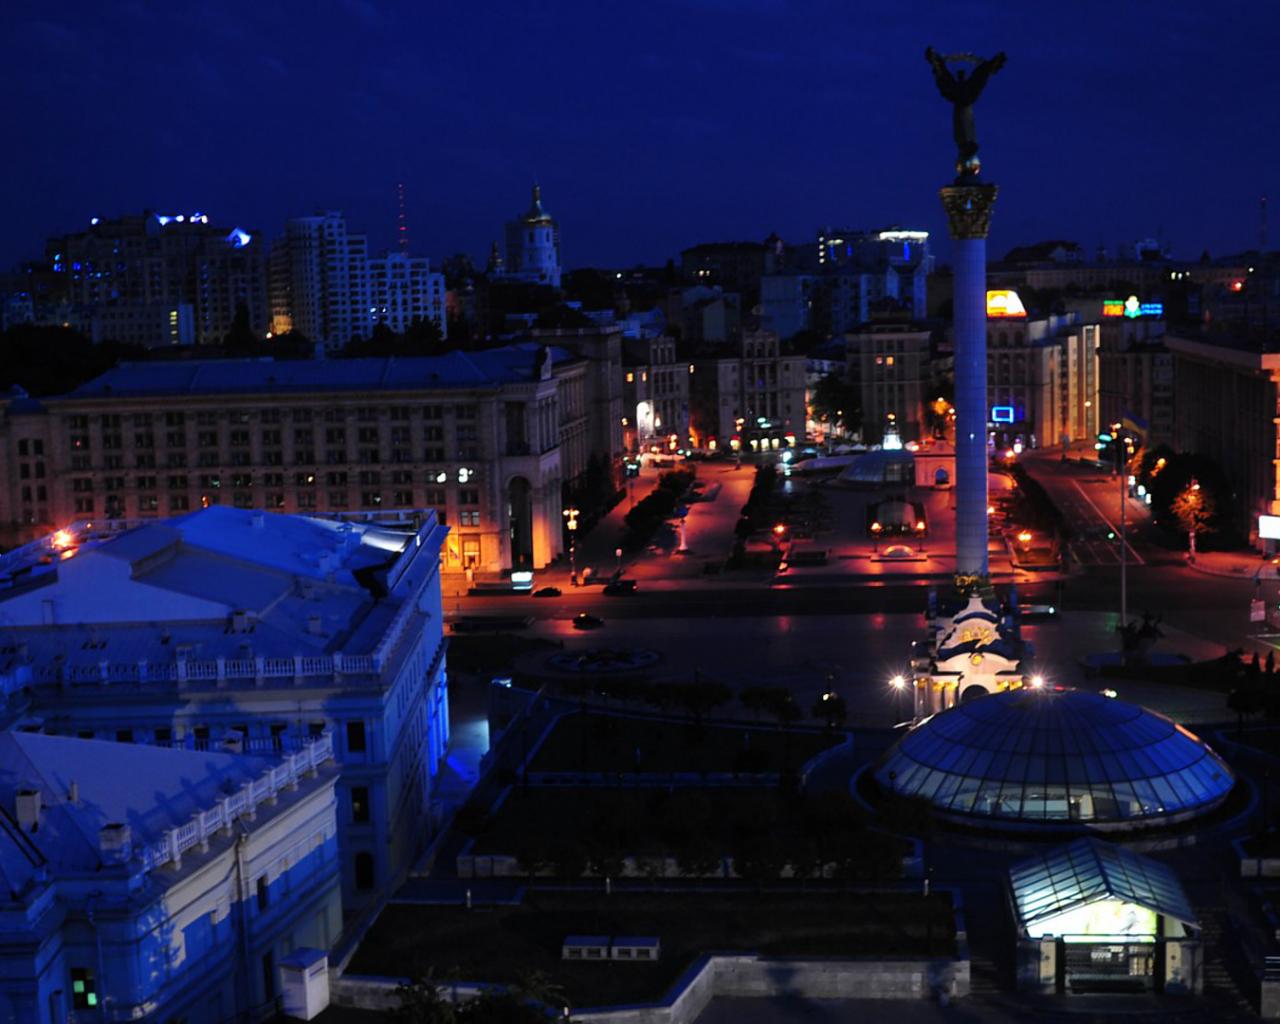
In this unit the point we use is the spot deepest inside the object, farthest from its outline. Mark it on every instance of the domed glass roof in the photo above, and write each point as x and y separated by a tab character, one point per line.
1067	755
883	466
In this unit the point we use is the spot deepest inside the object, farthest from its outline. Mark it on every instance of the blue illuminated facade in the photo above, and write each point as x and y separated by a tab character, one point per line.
147	883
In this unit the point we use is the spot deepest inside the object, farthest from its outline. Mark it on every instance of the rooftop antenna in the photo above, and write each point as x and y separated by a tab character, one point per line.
402	227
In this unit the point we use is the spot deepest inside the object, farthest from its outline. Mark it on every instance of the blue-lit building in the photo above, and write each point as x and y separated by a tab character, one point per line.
234	630
149	883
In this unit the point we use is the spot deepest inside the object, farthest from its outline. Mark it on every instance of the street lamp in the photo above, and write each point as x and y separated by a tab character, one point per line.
875	535
571	516
1037	682
899	685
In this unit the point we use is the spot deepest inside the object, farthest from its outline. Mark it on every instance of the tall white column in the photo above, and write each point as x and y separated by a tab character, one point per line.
969	217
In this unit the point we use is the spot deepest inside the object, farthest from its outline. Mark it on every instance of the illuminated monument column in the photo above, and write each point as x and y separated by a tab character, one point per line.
968	209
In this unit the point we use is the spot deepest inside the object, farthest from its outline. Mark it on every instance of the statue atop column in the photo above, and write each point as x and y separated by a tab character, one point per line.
962	91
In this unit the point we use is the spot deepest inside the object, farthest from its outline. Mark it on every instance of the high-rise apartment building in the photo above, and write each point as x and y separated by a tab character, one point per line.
403	290
132	277
325	285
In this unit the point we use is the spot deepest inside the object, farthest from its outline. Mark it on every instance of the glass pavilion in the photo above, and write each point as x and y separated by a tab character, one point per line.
1051	757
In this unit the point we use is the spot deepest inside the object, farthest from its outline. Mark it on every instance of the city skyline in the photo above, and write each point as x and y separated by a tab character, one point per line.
631	121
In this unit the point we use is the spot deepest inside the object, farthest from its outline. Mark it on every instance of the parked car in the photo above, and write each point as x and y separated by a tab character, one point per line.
584	621
547	592
616	587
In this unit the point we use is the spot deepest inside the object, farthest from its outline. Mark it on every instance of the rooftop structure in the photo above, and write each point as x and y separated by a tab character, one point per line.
239	630
1096	916
207	867
1056	757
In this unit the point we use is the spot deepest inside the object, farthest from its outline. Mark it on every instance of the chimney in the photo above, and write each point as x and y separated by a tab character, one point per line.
115	843
28	809
315	625
240	621
73	792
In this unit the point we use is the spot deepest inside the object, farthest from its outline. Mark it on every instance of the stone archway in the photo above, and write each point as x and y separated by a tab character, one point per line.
520	522
972	692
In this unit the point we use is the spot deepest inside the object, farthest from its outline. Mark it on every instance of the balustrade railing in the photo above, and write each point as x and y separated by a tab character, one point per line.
243	803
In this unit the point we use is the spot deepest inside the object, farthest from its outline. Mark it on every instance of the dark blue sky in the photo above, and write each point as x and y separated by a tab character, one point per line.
651	125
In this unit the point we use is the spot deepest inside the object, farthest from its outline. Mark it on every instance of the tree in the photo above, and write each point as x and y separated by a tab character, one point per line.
240	339
834	400
1193	509
423	1001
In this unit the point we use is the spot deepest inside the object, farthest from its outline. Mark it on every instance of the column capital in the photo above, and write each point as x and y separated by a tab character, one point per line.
968	209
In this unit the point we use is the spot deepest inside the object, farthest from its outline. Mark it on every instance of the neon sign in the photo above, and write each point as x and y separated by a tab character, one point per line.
1002	414
1131	308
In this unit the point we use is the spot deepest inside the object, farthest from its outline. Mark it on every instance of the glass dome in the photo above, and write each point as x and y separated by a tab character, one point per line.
885	466
1049	756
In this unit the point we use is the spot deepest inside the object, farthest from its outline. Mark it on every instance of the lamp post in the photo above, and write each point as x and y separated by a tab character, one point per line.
571	516
899	685
1195	488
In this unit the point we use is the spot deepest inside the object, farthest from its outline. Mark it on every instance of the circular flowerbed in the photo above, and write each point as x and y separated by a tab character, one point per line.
602	660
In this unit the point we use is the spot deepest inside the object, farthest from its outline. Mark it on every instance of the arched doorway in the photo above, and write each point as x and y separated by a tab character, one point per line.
364	871
520	519
972	692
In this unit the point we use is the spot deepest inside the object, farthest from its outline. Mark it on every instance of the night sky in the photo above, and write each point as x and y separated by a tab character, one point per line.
652	125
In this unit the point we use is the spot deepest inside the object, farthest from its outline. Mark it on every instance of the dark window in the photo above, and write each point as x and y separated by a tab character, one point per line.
364	871
359	803
355	738
124	735
164	736
268	976
264	893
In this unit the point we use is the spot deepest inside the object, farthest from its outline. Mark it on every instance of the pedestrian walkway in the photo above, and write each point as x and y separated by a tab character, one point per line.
1236	565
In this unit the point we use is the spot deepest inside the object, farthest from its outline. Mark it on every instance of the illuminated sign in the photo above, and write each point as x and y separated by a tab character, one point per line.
1269	527
1107	918
1131	307
1004	302
1002	414
903	236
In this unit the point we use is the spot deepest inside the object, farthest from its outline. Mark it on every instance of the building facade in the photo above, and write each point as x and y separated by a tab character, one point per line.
1135	375
889	361
145	882
230	629
1228	408
129	274
748	395
655	394
1042	379
487	439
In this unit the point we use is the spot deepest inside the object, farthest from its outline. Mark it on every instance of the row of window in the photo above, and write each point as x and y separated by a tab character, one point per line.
338	414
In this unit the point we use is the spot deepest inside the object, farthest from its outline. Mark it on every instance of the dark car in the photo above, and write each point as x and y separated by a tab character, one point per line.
547	592
617	587
584	621
1038	612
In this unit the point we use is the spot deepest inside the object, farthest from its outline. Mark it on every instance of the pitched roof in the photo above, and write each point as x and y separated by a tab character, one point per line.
510	364
1089	870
